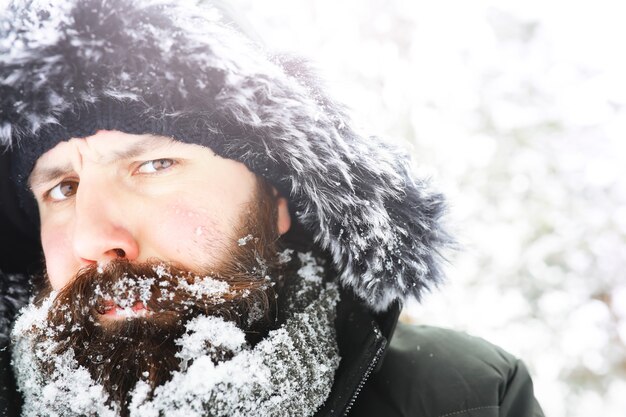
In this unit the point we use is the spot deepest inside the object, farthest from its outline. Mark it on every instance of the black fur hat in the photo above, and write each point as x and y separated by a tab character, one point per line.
71	67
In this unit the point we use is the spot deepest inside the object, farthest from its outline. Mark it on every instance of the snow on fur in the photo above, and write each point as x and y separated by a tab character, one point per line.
179	72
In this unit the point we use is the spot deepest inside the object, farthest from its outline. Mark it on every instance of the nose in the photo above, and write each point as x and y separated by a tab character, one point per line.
101	221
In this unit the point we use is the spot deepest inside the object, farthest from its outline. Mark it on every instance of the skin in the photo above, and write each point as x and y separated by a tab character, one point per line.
140	197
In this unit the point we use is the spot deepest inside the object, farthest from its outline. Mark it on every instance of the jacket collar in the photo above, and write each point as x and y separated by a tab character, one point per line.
363	337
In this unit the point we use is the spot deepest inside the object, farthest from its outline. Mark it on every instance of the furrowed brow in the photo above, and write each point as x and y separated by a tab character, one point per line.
138	149
41	176
49	174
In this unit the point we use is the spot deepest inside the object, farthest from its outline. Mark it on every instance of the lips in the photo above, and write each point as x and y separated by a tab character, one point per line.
114	311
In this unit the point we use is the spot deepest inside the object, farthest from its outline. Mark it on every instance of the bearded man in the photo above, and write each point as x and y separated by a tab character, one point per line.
218	239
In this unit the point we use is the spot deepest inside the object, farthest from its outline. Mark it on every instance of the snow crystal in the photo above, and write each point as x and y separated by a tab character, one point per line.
214	330
205	287
162	271
255	313
244	240
129	290
310	270
285	256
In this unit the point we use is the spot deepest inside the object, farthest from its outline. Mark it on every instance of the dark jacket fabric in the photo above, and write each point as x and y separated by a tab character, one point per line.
436	372
394	369
9	398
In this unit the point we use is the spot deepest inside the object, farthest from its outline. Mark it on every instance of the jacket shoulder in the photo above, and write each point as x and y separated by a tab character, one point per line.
430	371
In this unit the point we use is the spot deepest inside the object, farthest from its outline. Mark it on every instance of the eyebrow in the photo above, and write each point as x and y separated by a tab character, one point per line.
44	175
48	174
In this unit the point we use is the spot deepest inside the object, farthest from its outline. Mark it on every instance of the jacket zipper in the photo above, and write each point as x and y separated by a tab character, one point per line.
365	377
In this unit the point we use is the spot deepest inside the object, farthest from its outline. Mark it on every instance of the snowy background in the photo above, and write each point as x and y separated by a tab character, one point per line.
517	110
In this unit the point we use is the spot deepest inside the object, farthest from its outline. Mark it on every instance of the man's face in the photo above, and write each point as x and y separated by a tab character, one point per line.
142	234
139	197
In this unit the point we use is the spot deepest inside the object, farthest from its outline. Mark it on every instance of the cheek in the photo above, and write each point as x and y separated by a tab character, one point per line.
57	253
194	236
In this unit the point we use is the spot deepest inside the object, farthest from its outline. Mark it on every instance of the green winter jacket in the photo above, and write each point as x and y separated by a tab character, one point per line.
423	372
435	372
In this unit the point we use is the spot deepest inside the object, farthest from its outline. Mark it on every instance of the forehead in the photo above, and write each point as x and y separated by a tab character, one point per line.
110	145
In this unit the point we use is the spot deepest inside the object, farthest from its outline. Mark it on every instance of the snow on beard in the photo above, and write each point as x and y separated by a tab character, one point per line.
153	303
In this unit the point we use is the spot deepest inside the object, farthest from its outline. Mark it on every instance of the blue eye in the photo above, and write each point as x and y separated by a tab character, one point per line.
155	165
63	190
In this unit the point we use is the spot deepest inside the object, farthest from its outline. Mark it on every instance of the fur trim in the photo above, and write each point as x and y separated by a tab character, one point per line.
181	67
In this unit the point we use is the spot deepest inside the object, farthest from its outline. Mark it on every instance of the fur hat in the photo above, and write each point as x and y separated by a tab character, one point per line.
71	67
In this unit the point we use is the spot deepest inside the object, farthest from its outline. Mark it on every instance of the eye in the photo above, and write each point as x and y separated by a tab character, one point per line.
155	165
63	190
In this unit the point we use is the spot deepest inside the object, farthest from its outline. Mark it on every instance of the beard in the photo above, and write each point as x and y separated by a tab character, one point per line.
156	301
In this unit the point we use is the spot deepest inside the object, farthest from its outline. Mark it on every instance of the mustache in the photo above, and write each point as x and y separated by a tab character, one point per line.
164	289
